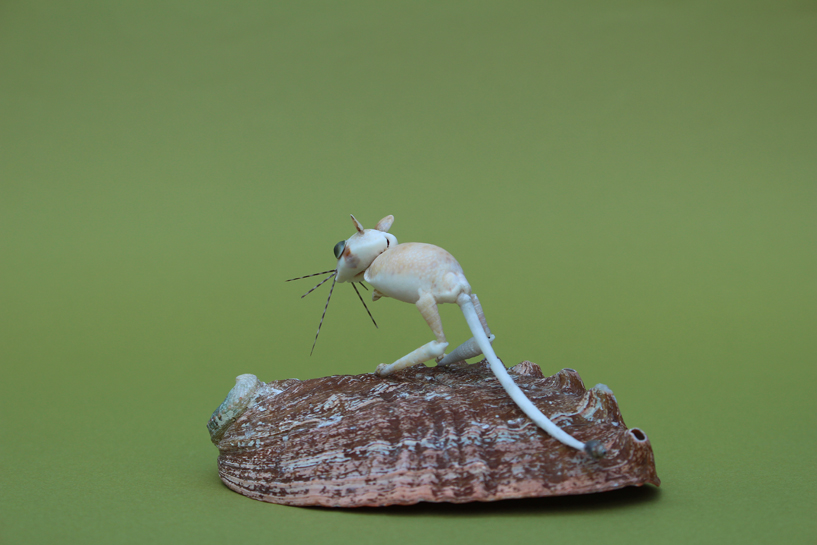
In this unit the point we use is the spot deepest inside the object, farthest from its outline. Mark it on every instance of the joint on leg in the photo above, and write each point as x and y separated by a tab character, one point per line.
428	351
468	349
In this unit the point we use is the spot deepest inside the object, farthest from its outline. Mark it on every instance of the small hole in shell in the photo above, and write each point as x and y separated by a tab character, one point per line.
638	435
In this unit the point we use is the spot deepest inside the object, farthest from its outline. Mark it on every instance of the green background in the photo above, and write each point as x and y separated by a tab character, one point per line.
629	186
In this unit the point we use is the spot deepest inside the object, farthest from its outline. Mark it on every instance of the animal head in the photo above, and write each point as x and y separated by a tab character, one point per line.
357	252
354	256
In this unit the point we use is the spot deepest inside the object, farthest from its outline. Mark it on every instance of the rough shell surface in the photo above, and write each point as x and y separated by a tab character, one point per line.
434	434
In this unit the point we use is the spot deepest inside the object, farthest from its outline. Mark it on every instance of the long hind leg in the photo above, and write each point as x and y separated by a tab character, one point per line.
427	306
469	349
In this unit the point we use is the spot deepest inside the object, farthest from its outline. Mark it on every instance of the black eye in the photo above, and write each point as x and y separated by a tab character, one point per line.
339	248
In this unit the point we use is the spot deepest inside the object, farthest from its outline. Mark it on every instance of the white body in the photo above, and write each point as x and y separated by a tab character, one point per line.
426	275
406	271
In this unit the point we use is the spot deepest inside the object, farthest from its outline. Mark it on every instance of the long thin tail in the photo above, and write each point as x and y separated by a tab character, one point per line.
593	448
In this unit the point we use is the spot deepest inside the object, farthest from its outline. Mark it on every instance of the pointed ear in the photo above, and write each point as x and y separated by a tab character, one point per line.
357	225
384	224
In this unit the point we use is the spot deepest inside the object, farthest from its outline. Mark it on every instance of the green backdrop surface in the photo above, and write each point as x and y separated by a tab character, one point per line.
629	186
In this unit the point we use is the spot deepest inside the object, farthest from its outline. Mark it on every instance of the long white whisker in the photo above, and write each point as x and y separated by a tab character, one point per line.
319	285
307	276
322	316
364	305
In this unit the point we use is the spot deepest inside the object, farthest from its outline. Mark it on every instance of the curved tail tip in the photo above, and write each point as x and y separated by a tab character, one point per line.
595	449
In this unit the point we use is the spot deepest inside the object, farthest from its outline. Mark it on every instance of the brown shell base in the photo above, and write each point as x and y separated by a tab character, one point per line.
434	434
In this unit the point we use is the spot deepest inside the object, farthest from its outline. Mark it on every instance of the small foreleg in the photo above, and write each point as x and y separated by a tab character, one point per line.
427	306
